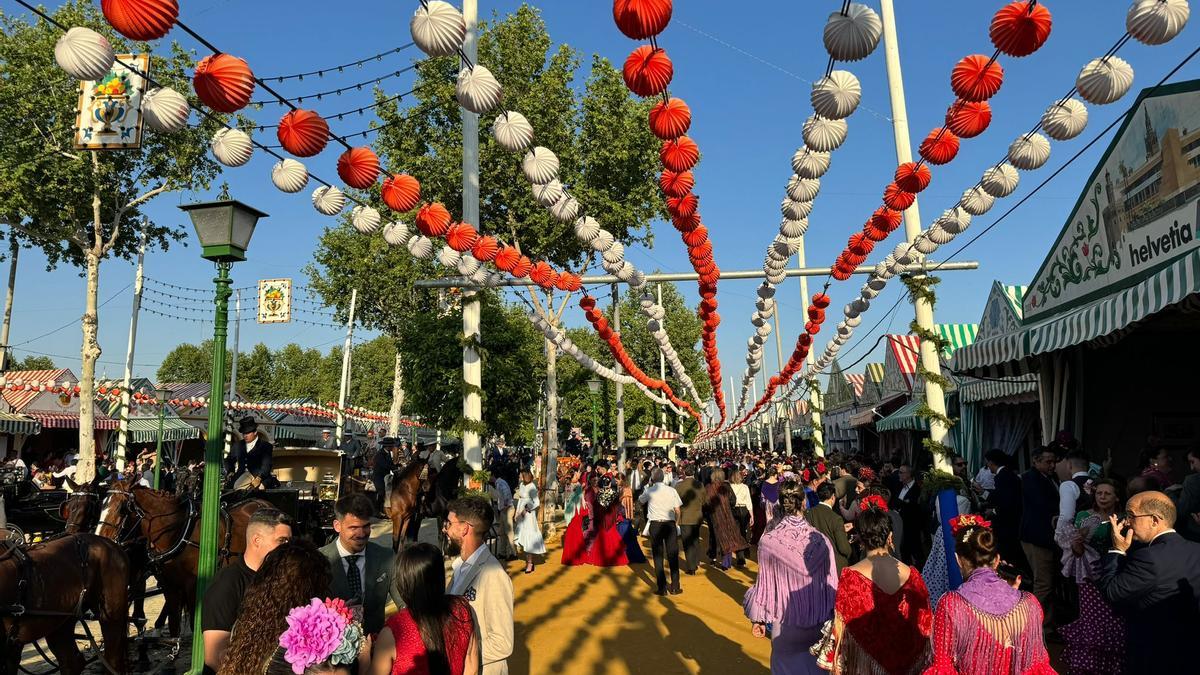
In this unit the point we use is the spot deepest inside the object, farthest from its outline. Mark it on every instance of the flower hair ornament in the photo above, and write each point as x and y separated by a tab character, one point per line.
873	502
320	632
959	524
866	474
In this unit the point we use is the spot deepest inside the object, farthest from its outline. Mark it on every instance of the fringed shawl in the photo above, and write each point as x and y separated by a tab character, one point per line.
797	578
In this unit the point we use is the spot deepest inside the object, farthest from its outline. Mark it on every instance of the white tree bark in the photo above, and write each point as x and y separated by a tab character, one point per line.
397	400
89	354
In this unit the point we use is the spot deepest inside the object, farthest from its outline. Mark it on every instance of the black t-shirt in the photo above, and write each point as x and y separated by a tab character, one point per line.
223	599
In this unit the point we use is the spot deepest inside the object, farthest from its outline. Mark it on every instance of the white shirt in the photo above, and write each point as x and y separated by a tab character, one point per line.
741	493
907	486
1068	494
251	444
462	569
361	563
661	501
986	479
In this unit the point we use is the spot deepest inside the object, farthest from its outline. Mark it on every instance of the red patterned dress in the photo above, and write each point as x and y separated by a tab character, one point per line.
411	656
883	633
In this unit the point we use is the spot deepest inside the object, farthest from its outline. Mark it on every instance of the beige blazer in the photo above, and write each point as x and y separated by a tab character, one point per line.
490	592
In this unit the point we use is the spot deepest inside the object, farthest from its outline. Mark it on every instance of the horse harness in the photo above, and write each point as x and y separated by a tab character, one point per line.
155	559
20	609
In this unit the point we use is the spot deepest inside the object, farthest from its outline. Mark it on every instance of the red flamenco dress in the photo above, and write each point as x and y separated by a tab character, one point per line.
883	633
600	542
411	656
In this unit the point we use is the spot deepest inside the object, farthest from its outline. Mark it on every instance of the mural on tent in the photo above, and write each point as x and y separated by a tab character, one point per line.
1139	209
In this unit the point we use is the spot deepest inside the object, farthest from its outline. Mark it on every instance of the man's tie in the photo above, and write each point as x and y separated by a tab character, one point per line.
353	577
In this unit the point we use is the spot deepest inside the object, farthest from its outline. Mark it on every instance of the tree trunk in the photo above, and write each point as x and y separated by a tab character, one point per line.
397	400
89	354
14	251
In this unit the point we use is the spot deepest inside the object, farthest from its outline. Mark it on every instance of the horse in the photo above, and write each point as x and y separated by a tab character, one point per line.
169	526
44	590
408	503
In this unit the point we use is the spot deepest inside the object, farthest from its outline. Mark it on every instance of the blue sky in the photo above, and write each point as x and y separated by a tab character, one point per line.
746	76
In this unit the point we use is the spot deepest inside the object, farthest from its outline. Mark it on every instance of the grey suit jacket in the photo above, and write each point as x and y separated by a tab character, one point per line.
831	524
490	592
377	583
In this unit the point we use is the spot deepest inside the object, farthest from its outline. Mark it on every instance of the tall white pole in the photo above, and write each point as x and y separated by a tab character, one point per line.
14	251
787	419
126	396
767	426
472	366
662	360
814	396
754	423
344	388
732	403
934	398
233	367
620	387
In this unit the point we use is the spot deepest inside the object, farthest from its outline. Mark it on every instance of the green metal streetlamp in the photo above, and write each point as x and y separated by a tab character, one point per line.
594	387
224	228
162	395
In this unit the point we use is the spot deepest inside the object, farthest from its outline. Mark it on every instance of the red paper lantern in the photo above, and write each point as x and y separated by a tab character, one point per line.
1020	28
687	223
683	206
680	154
840	273
820	300
886	219
696	237
812	328
939	147
588	303
401	192
522	268
223	82
461	237
506	258
913	177
854	259
141	20
874	233
968	119
976	78
550	281
713	320
433	220
859	244
605	332
648	71
485	248
804	341
358	167
568	281
641	19
816	314
303	133
676	183
670	118
592	315
540	272
705	267
897	199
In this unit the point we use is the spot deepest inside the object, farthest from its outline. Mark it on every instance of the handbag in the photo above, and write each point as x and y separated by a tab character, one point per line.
825	647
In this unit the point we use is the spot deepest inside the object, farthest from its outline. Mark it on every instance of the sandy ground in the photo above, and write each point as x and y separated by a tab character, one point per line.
588	621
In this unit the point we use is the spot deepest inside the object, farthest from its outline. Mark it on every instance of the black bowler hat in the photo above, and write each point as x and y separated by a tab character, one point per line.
246	425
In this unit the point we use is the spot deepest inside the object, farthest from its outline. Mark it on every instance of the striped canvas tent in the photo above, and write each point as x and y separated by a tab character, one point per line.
143	419
900	364
856	382
957	335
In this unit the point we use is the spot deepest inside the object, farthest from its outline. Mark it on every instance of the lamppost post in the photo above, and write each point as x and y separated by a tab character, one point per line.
162	416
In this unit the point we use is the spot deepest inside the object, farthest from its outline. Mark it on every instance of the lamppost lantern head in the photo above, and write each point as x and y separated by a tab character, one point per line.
224	228
594	386
163	394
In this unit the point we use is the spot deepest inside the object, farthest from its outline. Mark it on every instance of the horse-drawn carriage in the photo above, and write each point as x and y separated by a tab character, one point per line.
309	486
32	512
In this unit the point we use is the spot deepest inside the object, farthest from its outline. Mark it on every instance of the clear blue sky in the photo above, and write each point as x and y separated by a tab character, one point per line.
746	76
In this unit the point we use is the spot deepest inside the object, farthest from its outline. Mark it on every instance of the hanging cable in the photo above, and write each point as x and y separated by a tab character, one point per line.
341	68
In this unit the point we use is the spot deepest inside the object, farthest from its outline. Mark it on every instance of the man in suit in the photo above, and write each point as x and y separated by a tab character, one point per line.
1155	585
1004	499
481	579
381	467
830	523
249	460
691	493
1039	508
1188	507
362	569
913	512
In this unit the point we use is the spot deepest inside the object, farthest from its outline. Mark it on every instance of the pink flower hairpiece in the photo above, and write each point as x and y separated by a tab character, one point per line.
320	632
873	502
866	474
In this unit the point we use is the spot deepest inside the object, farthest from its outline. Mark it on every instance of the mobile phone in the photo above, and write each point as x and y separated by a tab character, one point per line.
1007	572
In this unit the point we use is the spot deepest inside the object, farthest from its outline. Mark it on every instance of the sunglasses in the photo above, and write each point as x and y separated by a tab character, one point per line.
1129	515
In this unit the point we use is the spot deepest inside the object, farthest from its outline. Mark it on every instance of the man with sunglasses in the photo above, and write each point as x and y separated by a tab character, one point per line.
1155	585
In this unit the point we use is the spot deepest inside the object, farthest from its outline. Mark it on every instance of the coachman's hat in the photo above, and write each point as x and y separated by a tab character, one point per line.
246	425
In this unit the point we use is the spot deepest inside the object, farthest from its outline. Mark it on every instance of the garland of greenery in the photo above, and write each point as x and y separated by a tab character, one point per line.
921	288
935	481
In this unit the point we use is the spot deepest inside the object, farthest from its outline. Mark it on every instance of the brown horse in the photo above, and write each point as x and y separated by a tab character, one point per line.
404	502
44	590
170	527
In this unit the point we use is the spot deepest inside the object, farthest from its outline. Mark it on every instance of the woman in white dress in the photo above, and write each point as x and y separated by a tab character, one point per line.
525	521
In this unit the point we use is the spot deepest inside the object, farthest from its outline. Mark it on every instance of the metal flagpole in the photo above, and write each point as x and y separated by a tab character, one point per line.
472	365
344	389
934	398
126	395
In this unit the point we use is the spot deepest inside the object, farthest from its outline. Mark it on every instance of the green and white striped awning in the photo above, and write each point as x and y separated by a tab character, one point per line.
905	418
957	335
1008	390
298	432
145	430
12	423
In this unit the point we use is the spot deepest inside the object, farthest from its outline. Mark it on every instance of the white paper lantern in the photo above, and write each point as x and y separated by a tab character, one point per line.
449	257
876	283
925	245
512	131
565	209
365	219
938	235
328	200
851	310
763	330
289	175
615	253
438	28
868	292
836	96
776	277
602	241
853	322
587	229
85	54
611	267
232	147
165	110
495	279
854	35
786	247
638	279
793	228
420	246
1066	120
1104	80
889	265
1155	22
547	194
954	220
625	273
824	135
778	258
477	90
999	181
469	265
902	253
881	270
397	233
803	189
809	163
975	201
1029	153
794	210
540	165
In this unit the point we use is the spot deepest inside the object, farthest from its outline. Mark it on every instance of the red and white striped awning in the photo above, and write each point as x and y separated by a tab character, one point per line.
907	351
856	381
50	420
653	433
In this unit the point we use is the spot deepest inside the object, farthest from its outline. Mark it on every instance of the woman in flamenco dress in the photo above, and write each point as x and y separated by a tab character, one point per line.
594	536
